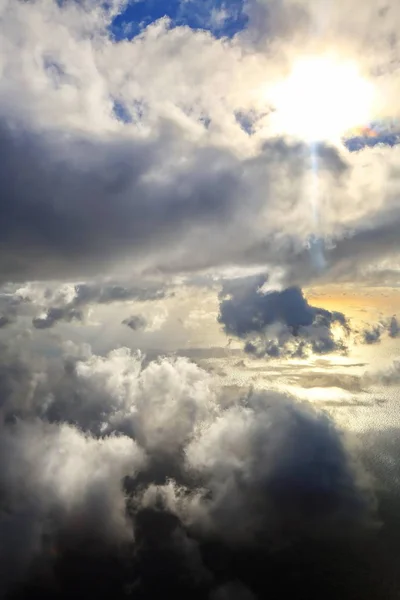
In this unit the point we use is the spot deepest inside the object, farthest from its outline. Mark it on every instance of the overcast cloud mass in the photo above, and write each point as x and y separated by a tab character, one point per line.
199	370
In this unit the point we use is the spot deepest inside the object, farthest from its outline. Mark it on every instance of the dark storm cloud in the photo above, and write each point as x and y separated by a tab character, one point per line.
277	323
117	477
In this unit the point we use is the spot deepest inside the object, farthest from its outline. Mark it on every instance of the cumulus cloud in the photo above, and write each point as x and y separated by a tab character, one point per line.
249	463
116	393
56	480
386	327
276	323
144	465
94	190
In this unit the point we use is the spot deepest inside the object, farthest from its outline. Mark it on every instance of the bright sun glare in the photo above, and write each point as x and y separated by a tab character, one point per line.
322	99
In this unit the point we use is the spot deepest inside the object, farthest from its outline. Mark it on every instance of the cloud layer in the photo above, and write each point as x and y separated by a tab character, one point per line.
84	188
144	465
155	157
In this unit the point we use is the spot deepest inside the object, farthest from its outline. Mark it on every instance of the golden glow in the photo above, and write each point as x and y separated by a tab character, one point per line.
322	99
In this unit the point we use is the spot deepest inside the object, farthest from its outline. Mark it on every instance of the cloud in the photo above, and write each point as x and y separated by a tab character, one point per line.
107	461
4	321
288	474
394	328
116	393
369	29
137	202
53	315
57	480
373	335
135	322
57	302
389	376
122	475
276	323
84	191
10	306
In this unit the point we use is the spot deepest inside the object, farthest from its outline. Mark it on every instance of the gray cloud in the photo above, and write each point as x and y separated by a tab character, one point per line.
54	302
106	452
53	315
124	476
62	229
387	327
52	478
68	214
277	323
81	190
372	336
135	322
10	306
4	321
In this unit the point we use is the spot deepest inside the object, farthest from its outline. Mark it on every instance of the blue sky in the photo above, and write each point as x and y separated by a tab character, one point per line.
221	17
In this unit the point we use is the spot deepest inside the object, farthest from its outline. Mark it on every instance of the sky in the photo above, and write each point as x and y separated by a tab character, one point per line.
199	299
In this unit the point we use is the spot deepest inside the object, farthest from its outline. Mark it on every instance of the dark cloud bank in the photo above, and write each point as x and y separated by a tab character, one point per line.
81	203
124	480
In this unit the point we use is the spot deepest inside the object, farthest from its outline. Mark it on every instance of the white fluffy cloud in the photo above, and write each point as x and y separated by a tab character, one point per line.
55	479
160	405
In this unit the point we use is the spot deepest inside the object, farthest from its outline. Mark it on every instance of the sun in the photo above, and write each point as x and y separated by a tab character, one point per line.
321	99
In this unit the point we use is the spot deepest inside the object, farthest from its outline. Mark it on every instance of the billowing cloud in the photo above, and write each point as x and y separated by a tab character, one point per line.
277	323
143	465
56	481
83	189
